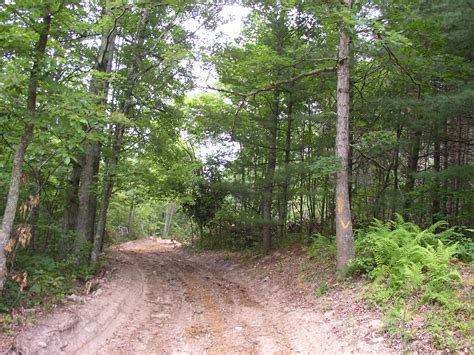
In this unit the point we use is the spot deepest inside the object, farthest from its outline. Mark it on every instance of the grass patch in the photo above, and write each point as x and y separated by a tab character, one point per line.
322	289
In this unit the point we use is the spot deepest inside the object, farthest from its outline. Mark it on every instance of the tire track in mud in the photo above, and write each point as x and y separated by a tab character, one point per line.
162	312
238	322
166	300
81	328
162	300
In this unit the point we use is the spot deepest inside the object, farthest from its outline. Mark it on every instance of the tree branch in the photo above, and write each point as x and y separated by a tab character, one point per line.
274	85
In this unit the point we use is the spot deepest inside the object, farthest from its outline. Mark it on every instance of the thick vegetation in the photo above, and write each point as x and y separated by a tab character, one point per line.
414	270
317	118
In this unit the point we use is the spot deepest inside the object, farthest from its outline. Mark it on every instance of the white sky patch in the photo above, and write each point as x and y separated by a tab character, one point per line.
223	151
233	16
232	23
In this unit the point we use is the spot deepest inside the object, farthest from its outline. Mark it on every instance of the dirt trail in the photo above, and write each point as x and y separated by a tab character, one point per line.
164	300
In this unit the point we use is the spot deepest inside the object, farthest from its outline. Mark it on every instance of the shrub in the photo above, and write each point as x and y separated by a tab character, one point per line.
403	260
41	279
322	245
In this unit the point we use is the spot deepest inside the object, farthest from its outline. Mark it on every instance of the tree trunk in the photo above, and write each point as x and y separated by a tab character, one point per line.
127	104
436	210
344	236
87	191
445	167
267	197
412	169
27	136
396	160
283	211
71	201
130	218
87	195
302	180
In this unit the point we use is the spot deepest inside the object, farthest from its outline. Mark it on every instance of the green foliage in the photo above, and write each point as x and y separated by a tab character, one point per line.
47	280
404	260
322	290
322	247
413	269
451	327
207	195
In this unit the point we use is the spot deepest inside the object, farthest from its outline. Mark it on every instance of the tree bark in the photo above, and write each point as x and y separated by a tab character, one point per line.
283	212
436	208
87	191
267	197
412	169
71	200
132	76
344	238
107	193
130	218
26	138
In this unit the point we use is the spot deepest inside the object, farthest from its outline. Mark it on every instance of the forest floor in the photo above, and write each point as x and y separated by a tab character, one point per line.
158	298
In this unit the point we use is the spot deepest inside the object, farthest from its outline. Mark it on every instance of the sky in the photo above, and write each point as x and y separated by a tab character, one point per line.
227	32
233	16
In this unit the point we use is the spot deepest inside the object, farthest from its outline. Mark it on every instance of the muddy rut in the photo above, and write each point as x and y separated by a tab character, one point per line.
164	300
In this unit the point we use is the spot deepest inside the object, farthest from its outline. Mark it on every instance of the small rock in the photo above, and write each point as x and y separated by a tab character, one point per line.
73	298
376	324
160	315
328	315
42	344
378	340
238	328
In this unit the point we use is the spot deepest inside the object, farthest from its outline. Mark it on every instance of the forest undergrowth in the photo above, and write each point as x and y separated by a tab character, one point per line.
39	283
420	279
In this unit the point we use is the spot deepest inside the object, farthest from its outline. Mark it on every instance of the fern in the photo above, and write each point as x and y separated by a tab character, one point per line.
403	259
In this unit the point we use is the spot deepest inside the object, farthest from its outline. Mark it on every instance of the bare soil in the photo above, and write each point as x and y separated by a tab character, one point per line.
158	298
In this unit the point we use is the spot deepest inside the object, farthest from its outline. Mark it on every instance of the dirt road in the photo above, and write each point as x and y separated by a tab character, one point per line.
161	299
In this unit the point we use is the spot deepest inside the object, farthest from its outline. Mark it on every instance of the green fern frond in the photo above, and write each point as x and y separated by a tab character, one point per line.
406	258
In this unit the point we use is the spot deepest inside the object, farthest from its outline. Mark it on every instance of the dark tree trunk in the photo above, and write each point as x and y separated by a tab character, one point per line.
283	210
87	195
130	218
396	160
87	192
344	236
71	200
109	175
445	167
412	170
27	136
267	197
437	168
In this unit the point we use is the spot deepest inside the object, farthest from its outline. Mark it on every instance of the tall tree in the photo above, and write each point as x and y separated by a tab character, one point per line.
90	160
344	237
27	135
133	73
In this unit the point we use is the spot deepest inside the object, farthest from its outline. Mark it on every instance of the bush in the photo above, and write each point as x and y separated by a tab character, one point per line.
322	246
40	279
404	260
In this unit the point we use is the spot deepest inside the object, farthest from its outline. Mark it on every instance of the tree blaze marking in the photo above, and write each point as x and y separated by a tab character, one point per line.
340	204
345	225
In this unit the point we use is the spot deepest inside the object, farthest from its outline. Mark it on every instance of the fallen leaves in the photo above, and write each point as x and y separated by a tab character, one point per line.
20	279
